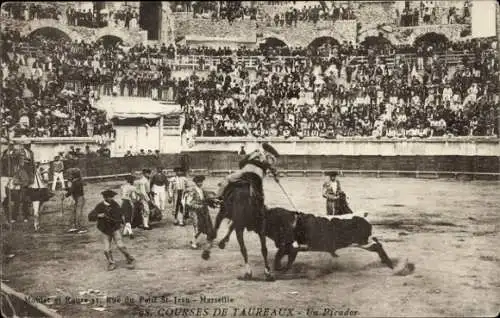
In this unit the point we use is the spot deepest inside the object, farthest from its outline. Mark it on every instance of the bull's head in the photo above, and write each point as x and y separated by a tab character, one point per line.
361	230
298	226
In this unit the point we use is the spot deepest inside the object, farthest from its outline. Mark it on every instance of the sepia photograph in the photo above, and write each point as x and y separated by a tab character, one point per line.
250	159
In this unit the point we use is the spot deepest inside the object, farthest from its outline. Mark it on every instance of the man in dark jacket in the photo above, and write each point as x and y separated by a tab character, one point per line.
264	158
21	182
109	219
76	192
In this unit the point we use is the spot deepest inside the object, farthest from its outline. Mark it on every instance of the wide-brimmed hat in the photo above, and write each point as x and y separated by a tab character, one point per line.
108	193
198	178
130	178
74	172
137	173
268	148
332	173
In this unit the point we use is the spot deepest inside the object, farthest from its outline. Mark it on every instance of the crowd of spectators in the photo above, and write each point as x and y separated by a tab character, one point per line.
425	14
234	10
316	13
380	46
407	98
51	91
224	10
127	18
85	18
36	101
142	153
30	11
76	153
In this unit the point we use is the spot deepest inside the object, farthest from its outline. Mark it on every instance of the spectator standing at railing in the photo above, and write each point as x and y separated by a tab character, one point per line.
58	171
104	151
89	153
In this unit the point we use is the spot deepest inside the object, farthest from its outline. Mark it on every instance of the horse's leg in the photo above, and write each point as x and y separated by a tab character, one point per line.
218	220
225	239
292	254
36	214
243	250
263	248
278	257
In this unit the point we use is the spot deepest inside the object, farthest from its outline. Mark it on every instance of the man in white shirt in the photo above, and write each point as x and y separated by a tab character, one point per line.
447	93
330	191
197	202
142	185
24	121
158	187
439	128
178	185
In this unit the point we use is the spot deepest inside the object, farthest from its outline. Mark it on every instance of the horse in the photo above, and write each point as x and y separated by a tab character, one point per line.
243	204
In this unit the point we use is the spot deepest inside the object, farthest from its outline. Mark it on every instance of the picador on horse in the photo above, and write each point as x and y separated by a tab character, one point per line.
243	203
242	199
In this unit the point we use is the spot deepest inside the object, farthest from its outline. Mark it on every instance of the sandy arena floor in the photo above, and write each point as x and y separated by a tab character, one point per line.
449	229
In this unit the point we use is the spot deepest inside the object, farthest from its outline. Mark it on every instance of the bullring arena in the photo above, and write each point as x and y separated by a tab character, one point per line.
449	229
392	103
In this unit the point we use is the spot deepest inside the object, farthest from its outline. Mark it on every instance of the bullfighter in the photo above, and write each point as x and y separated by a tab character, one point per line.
331	191
197	203
109	217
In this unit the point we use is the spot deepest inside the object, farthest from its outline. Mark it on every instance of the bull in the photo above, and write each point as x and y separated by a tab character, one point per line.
293	232
321	234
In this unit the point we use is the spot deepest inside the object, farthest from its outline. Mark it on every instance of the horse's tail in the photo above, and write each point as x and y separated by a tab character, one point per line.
237	206
247	209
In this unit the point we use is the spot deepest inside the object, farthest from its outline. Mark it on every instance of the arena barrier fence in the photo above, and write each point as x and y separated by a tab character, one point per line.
16	304
221	163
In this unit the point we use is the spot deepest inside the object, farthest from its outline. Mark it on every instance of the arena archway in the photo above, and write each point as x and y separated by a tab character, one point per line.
431	39
322	45
48	33
34	25
110	40
270	43
273	42
322	42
